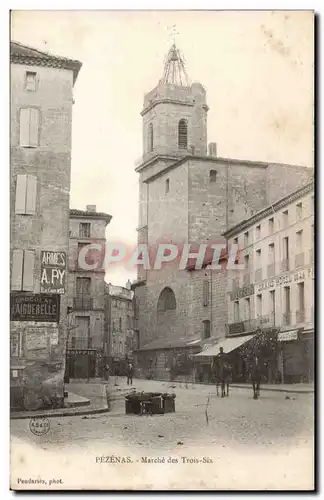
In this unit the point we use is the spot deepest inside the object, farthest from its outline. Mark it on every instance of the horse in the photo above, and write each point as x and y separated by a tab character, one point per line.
222	374
255	371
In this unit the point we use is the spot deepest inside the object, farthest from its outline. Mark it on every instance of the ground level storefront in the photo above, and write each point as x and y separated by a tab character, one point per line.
296	356
166	360
240	350
283	358
83	364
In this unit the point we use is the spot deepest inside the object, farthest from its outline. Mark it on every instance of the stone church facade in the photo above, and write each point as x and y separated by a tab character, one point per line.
188	195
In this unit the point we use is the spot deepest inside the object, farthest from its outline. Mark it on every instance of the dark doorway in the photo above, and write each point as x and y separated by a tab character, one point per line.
81	364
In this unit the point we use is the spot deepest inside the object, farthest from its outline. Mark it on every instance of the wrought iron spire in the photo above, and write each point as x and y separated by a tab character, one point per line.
174	68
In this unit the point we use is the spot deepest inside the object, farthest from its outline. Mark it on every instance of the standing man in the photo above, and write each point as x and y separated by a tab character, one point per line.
130	373
256	377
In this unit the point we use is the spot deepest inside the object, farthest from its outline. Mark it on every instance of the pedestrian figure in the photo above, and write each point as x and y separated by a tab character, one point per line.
130	373
116	373
106	372
256	377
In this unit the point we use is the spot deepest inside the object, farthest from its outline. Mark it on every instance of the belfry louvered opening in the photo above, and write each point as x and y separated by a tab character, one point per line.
183	134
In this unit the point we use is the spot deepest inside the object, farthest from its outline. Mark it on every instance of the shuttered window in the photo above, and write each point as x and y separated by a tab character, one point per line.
29	127
28	274
205	293
22	271
26	189
17	269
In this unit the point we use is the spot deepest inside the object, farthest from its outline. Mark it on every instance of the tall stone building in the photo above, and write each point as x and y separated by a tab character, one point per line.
188	195
119	314
41	118
86	289
276	288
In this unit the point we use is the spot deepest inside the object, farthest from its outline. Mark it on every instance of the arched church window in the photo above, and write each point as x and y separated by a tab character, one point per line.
166	300
183	134
150	137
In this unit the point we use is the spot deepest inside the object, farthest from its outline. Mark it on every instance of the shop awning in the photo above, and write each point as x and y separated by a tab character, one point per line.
229	344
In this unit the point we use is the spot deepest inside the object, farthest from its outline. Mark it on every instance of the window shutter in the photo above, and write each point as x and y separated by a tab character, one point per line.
16	270
24	127
20	201
28	279
205	293
33	127
31	194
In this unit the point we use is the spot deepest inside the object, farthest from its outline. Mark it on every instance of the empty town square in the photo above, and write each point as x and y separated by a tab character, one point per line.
234	442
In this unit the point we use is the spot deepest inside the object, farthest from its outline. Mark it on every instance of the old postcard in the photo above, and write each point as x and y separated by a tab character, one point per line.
162	250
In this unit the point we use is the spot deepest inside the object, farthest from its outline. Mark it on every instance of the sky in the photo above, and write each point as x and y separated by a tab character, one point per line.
256	66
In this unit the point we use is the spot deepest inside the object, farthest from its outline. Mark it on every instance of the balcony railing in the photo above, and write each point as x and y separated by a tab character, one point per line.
246	279
82	303
300	316
300	259
286	318
258	275
271	270
265	321
285	265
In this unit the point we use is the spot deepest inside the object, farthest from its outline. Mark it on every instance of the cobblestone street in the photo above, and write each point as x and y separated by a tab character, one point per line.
247	444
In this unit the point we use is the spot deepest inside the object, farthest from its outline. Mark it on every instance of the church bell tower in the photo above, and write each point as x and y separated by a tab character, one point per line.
174	114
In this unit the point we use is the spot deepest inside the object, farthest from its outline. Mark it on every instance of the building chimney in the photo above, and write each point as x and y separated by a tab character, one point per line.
91	208
212	149
128	285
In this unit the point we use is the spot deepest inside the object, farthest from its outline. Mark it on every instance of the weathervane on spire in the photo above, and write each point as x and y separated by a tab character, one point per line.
173	32
174	66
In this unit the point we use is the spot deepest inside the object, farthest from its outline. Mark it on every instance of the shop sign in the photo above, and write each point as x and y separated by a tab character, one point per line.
286	336
284	279
35	307
84	352
242	292
53	272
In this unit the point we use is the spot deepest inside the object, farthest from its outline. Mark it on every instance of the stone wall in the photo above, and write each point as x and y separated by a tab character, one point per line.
50	162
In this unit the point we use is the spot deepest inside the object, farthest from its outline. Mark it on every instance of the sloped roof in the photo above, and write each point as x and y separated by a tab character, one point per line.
169	344
23	54
86	214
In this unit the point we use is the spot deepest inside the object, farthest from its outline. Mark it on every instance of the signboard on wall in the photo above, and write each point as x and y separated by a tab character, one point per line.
35	307
285	279
53	272
242	292
287	336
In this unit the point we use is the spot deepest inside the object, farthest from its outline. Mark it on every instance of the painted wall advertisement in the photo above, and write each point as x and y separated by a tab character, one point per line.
53	272
40	307
286	279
